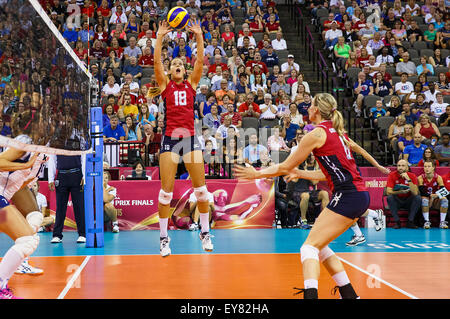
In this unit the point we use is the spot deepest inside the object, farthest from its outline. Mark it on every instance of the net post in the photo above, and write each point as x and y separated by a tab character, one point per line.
94	184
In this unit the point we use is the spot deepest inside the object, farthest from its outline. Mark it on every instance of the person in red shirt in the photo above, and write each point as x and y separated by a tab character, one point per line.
429	183
272	26
104	9
217	62
403	192
257	60
249	108
153	142
111	100
147	59
88	9
236	118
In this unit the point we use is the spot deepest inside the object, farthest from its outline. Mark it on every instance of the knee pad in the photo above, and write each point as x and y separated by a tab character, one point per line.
425	202
165	198
26	245
325	253
35	220
444	202
201	193
309	252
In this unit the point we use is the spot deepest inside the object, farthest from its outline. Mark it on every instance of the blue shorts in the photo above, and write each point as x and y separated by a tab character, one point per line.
351	205
3	202
180	146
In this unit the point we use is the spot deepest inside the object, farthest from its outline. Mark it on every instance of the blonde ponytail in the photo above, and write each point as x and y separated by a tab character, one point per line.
327	106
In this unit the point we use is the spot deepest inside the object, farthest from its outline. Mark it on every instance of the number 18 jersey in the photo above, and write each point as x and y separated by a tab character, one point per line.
178	109
337	163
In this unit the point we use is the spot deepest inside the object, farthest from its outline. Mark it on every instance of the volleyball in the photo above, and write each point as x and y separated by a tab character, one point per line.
178	17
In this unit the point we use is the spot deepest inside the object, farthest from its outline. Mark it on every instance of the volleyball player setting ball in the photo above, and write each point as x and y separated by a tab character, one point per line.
179	138
350	199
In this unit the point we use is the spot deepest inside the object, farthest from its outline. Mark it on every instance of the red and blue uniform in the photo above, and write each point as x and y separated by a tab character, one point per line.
431	186
179	131
350	196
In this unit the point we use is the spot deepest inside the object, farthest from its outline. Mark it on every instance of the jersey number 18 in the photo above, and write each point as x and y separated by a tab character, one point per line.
180	98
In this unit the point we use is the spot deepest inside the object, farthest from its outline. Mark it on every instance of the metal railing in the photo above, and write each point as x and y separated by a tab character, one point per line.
126	153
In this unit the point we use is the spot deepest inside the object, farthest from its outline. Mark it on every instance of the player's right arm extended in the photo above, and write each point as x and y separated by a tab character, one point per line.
8	157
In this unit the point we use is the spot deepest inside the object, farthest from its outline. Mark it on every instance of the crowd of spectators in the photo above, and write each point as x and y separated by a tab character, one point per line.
395	58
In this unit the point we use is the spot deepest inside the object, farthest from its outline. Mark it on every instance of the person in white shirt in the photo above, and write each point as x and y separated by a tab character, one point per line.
111	87
373	65
279	43
118	16
430	95
206	135
268	110
109	194
240	41
438	107
290	65
385	57
365	44
41	200
404	86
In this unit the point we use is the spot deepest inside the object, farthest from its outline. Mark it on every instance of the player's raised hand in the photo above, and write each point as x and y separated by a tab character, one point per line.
242	172
163	29
195	27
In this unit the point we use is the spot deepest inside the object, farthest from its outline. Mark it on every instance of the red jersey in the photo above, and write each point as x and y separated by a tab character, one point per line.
446	179
432	186
179	109
394	178
337	163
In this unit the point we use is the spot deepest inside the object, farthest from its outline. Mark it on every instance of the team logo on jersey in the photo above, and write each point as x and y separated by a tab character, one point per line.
332	130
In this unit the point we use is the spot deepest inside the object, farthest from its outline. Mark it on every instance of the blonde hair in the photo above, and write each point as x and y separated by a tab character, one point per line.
327	106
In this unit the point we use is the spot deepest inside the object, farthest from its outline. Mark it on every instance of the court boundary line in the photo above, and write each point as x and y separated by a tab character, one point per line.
73	278
379	279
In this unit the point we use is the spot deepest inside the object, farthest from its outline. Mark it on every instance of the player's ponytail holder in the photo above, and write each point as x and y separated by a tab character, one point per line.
333	109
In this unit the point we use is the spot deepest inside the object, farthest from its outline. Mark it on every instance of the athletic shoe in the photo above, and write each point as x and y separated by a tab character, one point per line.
164	248
427	225
356	240
41	229
193	226
309	293
7	293
378	221
81	239
115	228
56	240
443	225
411	224
305	226
206	241
26	269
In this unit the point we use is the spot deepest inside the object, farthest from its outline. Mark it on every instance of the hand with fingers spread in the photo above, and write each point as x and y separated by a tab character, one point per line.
242	172
293	175
195	27
163	29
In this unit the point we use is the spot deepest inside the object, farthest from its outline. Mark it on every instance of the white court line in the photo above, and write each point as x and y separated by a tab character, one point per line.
379	279
74	278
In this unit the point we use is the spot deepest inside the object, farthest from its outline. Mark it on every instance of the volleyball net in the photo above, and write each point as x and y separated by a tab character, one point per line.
45	89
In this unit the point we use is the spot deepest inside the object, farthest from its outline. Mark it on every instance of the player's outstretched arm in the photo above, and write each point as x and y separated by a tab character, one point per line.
160	76
8	157
196	75
358	149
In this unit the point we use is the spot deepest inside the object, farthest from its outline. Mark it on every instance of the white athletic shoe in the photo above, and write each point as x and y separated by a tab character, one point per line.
378	221
115	228
193	226
41	229
164	248
26	269
81	239
443	225
206	241
356	240
427	225
56	240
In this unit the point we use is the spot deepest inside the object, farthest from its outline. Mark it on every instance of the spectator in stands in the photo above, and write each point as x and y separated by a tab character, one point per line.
402	190
133	68
377	111
420	106
406	66
118	16
443	84
341	52
268	110
226	89
108	112
109	194
363	58
443	36
206	135
438	108
363	87
442	150
41	201
236	118
205	107
411	97
430	182
113	132
132	50
127	108
139	170
382	87
426	128
430	35
223	130
146	60
111	88
352	61
428	155
252	152
270	59
414	153
300	80
332	35
145	117
279	43
385	57
280	84
129	87
233	153
275	142
410	117
444	119
132	131
212	119
405	139
404	86
414	33
396	129
289	129
424	67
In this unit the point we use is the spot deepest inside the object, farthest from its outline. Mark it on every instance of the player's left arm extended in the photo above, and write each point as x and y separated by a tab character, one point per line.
358	149
196	75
